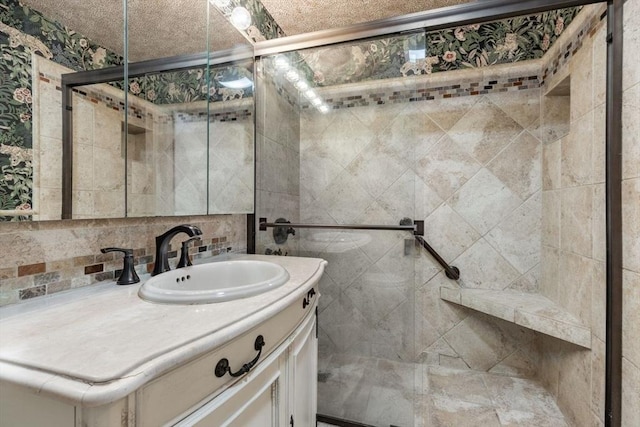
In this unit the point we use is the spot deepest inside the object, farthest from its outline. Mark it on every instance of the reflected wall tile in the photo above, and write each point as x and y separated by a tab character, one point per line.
381	116
108	129
484	201
83	121
631	317
517	238
51	162
109	204
631	132
576	154
484	131
519	166
50	112
439	313
108	173
83	167
631	224
317	171
576	220
446	167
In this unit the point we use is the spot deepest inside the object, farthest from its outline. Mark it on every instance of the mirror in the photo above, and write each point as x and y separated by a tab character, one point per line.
185	146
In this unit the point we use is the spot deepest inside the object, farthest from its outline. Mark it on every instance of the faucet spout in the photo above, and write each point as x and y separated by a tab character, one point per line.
162	246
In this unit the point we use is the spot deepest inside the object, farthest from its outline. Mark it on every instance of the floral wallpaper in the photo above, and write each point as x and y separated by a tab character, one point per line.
472	46
24	31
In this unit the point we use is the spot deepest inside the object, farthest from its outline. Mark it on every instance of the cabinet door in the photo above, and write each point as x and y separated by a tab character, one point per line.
253	402
304	375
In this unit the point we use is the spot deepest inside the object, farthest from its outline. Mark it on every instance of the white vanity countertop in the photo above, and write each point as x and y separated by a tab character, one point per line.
96	347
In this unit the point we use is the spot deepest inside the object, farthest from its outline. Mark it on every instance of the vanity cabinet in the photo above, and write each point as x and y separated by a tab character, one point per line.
278	391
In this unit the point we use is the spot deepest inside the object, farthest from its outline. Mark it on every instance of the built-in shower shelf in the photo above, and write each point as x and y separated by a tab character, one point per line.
529	310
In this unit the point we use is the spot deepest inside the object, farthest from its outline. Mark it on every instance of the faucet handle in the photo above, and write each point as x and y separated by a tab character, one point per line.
128	275
185	261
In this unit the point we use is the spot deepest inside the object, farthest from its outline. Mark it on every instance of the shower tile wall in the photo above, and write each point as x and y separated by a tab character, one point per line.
473	175
573	232
278	167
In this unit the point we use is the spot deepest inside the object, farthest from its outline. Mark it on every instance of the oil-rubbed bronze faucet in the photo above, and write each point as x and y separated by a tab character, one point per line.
162	246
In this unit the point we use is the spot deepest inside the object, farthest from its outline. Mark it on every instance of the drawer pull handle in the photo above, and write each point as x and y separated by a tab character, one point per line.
223	365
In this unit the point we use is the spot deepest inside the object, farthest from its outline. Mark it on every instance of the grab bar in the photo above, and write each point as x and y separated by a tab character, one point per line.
452	272
417	227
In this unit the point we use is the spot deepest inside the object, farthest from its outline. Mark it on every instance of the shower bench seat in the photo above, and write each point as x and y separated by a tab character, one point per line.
529	310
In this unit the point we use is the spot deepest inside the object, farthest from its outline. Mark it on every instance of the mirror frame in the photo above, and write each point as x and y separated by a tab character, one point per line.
136	69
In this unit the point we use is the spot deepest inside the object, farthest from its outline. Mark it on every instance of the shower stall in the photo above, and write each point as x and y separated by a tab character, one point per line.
491	135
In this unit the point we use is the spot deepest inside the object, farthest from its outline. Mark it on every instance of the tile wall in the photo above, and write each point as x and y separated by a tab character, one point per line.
448	161
51	256
573	231
278	189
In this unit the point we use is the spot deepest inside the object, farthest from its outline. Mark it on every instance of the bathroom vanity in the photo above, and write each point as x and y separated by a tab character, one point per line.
105	357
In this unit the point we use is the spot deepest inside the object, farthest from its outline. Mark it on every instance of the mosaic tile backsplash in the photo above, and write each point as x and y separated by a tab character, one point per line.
50	257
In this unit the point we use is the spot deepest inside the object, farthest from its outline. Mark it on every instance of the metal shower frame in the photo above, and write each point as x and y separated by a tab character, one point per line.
464	14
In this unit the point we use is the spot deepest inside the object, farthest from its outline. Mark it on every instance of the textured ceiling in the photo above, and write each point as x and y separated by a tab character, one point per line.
168	28
173	27
303	16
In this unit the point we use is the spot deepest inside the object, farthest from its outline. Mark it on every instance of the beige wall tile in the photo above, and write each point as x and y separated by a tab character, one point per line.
576	168
631	132
554	118
551	161
519	165
574	286
484	131
598	301
576	220
631	34
631	224
484	201
630	394
551	208
574	388
582	81
631	317
446	167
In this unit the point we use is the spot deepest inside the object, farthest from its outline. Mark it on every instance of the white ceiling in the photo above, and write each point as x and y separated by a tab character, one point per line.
162	28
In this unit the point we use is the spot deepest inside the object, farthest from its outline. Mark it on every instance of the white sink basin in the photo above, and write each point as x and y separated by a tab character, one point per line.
214	282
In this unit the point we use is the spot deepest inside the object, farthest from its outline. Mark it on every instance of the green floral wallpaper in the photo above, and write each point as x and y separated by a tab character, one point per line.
470	46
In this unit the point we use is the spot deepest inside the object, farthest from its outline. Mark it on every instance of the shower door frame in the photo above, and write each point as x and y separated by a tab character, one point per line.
492	10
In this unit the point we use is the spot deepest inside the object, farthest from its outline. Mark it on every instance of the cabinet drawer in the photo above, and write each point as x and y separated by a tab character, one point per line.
179	392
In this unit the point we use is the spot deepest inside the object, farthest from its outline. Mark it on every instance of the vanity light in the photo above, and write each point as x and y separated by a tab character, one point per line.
240	18
242	83
316	102
324	109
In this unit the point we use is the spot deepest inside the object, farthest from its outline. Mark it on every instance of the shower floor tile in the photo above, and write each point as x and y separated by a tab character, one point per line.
382	393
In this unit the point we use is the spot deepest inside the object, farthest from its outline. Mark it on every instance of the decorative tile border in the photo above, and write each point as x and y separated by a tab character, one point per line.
35	280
